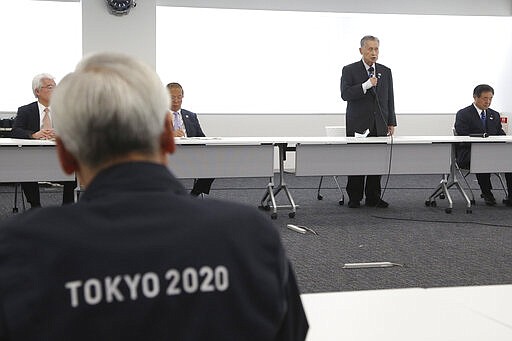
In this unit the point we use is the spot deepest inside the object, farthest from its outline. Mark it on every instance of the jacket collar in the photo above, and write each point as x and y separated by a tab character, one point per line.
132	177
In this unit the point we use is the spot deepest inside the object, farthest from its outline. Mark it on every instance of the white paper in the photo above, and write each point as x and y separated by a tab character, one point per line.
365	134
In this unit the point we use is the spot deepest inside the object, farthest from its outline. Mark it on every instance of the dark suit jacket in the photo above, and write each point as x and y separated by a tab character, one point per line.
363	109
27	121
191	124
199	269
467	121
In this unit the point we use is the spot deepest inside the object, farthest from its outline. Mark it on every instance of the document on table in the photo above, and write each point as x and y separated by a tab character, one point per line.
198	138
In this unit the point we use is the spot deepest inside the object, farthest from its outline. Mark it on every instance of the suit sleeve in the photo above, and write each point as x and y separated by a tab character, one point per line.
463	124
197	127
20	126
350	89
498	128
391	102
463	128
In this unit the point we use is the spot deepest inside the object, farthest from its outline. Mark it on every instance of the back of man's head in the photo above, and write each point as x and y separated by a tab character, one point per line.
110	106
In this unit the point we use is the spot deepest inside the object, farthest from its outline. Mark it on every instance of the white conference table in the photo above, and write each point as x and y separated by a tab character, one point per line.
213	157
404	155
234	157
36	160
410	155
459	313
226	157
374	155
30	160
492	154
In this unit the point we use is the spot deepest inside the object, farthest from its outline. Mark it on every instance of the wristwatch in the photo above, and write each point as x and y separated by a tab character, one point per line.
120	7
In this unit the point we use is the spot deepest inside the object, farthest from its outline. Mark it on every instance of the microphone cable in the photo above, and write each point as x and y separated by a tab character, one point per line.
391	142
442	221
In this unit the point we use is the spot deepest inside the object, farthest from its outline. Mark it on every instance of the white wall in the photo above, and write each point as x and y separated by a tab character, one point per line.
251	74
288	124
451	7
253	62
448	7
307	125
132	34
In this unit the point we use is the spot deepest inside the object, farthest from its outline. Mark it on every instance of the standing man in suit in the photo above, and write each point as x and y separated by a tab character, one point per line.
479	118
186	124
137	258
368	89
34	121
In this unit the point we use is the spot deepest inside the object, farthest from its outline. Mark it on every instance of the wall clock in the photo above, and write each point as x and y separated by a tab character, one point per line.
120	7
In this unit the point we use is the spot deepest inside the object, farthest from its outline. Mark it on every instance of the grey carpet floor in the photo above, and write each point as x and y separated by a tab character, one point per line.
434	248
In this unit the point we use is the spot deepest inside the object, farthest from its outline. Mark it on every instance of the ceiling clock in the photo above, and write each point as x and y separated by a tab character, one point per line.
120	7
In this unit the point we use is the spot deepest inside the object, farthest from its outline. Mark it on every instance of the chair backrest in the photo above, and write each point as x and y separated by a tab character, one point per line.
335	131
6	122
6	127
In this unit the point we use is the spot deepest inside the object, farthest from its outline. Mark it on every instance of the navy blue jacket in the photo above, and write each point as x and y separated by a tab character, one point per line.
191	124
137	258
27	121
467	121
363	109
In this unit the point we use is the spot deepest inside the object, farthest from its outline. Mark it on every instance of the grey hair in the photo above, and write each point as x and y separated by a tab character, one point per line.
368	38
37	81
110	106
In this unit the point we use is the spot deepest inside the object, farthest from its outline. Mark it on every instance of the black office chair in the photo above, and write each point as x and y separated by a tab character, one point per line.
333	131
6	127
320	197
15	206
464	173
5	131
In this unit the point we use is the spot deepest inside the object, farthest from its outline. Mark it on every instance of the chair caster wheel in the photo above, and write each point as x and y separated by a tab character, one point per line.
448	210
427	203
319	197
341	202
469	211
264	208
273	216
432	203
472	201
291	214
15	210
442	196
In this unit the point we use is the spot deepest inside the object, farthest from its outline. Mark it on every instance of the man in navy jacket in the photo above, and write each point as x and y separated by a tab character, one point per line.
186	124
137	258
479	118
28	124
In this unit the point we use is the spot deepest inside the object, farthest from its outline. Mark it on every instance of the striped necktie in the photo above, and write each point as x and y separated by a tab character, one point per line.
47	122
176	120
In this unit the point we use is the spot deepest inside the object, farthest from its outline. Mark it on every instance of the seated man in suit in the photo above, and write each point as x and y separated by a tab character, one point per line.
478	118
137	258
34	121
185	124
